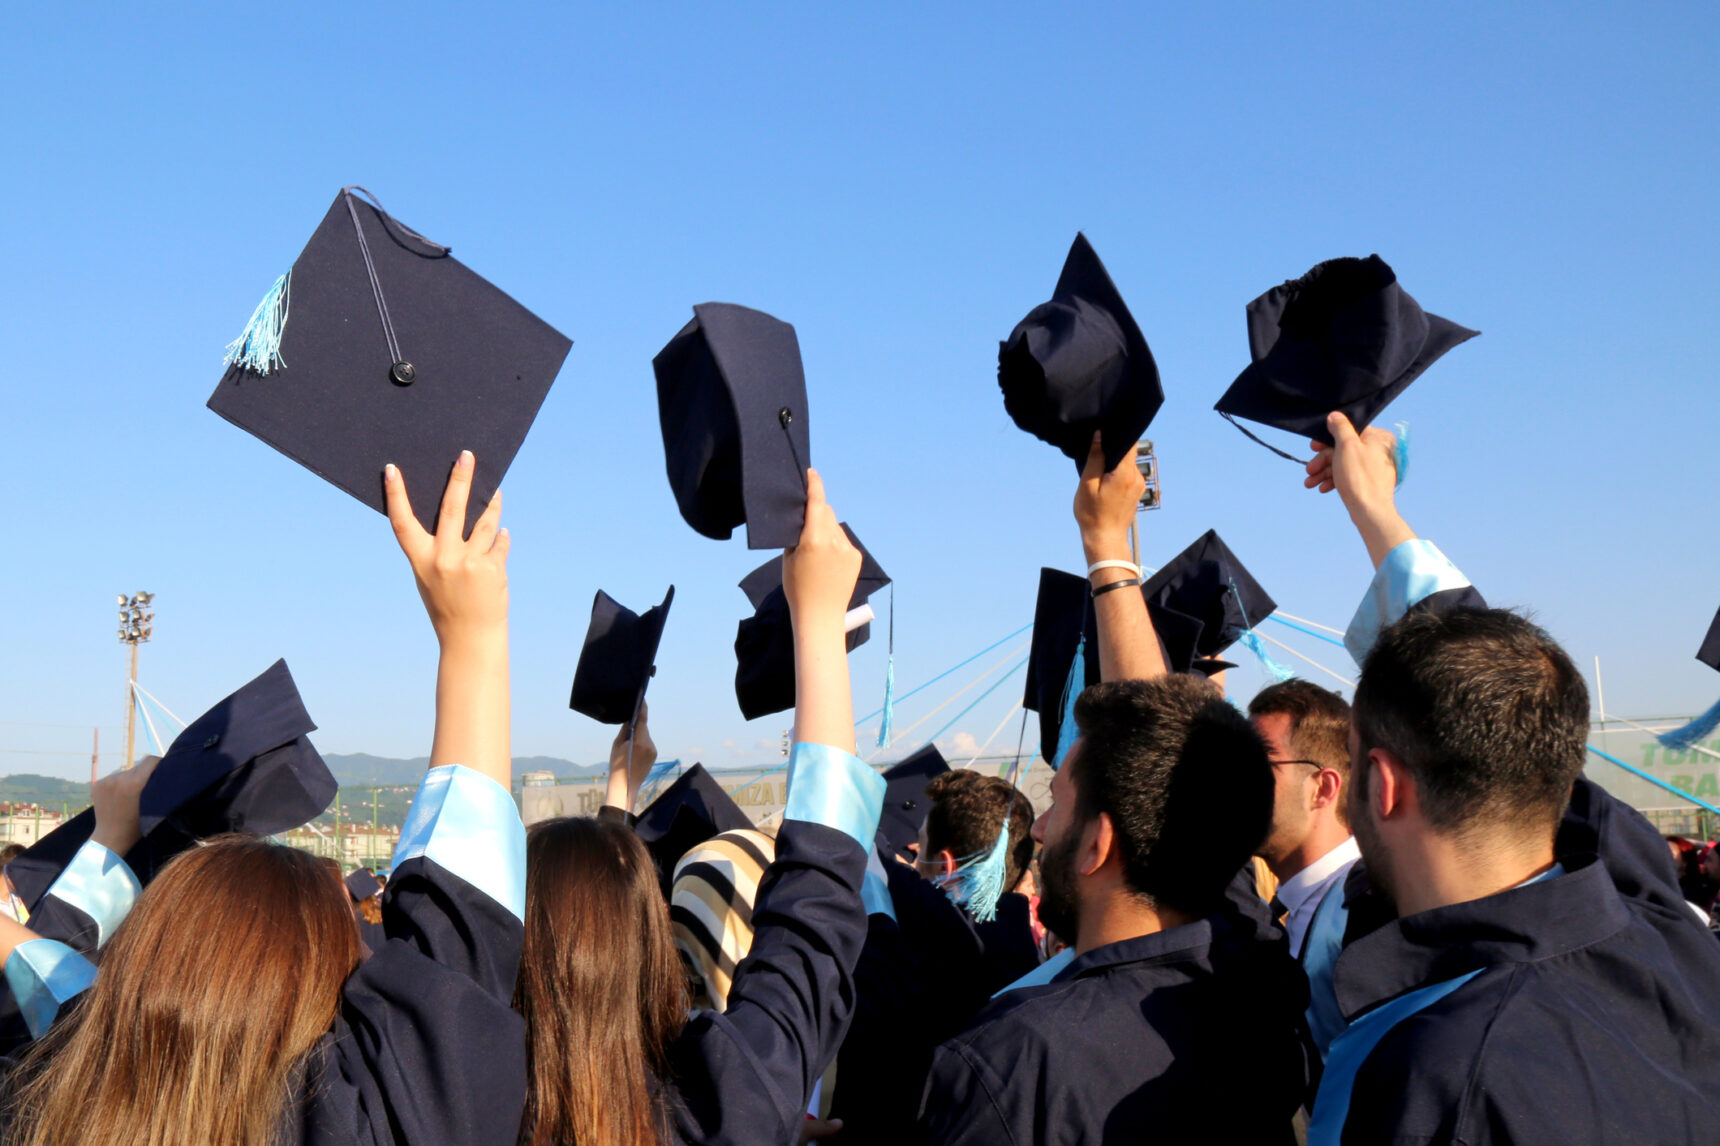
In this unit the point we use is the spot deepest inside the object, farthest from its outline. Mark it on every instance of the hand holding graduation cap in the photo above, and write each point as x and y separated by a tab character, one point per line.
818	578
464	585
1363	469
630	759
116	797
1105	505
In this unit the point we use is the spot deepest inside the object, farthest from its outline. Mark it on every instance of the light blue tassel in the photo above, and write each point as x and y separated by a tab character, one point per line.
1696	730
1072	689
1255	645
888	726
977	884
1400	452
258	347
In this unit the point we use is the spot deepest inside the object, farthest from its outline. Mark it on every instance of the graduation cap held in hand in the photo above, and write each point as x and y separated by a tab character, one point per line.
731	398
243	766
764	642
690	811
1345	336
618	660
1079	364
1063	659
905	803
1203	601
378	346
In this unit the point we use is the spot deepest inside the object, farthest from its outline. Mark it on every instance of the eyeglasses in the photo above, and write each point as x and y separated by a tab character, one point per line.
1310	763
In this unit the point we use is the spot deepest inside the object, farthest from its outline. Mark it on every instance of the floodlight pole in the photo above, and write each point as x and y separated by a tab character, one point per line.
136	625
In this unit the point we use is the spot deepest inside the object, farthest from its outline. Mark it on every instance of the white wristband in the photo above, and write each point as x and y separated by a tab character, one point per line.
1134	570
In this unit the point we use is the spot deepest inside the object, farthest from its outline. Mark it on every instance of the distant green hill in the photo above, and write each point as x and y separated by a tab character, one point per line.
28	788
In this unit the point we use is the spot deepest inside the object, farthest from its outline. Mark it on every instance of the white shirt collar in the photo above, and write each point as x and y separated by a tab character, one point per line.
1293	892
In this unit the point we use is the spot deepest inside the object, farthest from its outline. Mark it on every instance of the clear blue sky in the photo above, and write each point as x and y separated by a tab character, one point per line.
901	183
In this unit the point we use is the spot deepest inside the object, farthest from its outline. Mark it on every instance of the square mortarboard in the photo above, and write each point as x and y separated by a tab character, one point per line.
731	397
905	802
690	811
764	643
243	766
618	660
1345	336
1079	363
390	350
1193	607
362	884
1709	653
1063	619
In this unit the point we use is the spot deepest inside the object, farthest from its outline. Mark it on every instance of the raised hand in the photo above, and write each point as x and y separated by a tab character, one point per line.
630	759
1106	504
1363	469
464	585
818	576
115	797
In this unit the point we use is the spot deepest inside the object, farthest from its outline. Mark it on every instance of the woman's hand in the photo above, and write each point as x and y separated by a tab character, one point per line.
116	797
630	760
818	577
463	581
464	586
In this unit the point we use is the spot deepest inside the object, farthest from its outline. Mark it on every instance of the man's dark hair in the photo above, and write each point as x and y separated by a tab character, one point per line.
967	814
10	852
1485	710
1184	778
1319	725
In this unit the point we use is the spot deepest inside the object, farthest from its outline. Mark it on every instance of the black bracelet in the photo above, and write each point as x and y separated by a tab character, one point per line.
1108	586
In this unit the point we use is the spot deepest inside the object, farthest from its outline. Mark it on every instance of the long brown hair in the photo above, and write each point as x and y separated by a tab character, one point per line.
212	994
600	986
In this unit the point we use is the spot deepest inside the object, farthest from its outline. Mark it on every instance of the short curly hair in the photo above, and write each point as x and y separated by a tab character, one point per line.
967	814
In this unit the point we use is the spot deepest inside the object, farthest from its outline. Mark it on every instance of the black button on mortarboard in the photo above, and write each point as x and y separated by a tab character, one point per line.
785	416
910	805
212	741
403	373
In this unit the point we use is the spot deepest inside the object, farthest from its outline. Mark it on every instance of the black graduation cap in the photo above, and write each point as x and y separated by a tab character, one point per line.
905	801
362	884
389	350
1210	666
731	397
1062	619
243	766
1345	336
764	642
1079	363
688	812
618	660
1709	653
1193	607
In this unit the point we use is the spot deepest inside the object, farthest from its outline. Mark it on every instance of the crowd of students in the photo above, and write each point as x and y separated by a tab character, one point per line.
1450	935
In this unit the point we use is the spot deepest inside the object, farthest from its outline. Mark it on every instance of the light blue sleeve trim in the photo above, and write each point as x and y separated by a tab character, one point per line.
875	887
1413	571
467	823
100	884
1043	973
831	787
44	975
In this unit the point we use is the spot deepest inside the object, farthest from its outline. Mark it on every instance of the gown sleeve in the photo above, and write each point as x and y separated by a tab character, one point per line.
78	915
1415	575
427	1048
745	1076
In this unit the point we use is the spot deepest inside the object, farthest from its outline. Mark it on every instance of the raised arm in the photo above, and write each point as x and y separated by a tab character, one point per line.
1409	573
464	584
818	577
630	759
1105	508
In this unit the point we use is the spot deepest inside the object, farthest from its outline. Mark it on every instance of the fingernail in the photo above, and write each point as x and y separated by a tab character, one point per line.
390	472
466	457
